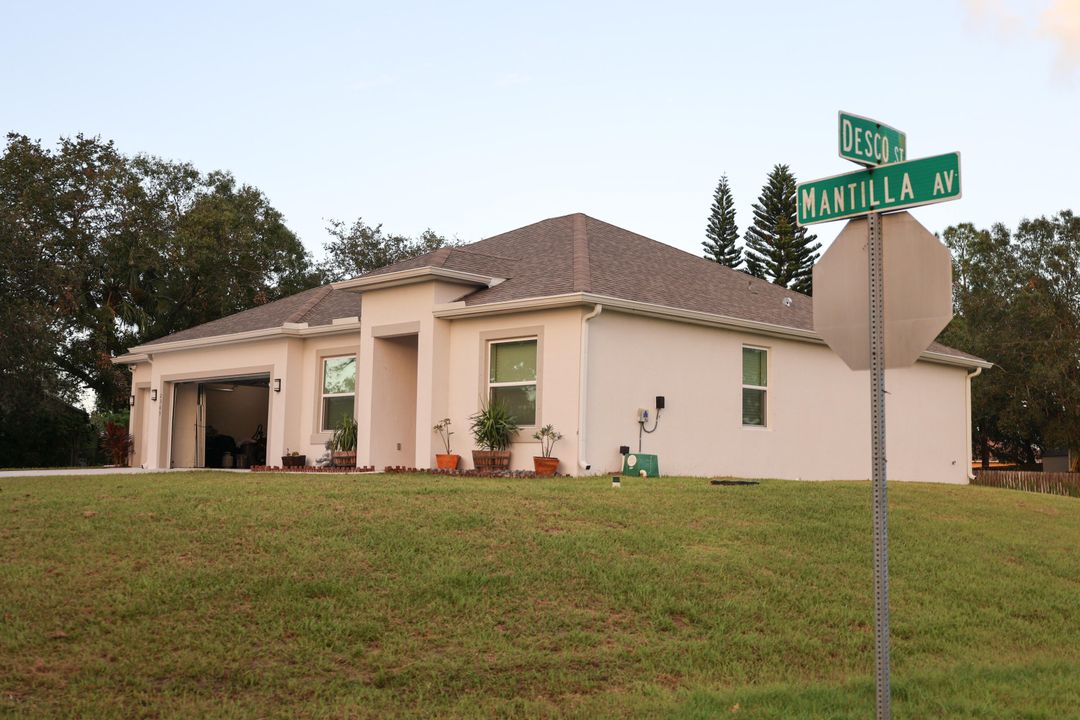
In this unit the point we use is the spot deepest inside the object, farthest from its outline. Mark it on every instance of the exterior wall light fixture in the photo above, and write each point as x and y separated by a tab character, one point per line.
153	394
277	384
131	401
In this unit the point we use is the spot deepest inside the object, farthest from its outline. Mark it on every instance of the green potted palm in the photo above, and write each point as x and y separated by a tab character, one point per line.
493	428
343	443
447	460
545	465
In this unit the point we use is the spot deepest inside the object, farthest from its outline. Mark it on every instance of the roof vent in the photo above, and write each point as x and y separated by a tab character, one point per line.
787	302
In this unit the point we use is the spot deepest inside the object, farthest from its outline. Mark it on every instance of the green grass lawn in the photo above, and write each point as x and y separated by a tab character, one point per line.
231	595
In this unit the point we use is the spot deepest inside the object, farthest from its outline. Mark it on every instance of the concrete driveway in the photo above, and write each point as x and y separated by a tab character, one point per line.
49	472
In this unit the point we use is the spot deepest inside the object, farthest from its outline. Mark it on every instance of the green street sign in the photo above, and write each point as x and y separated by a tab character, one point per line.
869	142
889	187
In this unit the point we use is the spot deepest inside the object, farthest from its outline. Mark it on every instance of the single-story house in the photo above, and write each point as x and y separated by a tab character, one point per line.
573	322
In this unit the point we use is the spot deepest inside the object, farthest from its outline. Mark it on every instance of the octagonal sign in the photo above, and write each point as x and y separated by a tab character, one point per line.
918	291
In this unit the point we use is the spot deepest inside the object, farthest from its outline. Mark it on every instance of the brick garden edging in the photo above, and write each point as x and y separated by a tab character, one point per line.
401	469
312	469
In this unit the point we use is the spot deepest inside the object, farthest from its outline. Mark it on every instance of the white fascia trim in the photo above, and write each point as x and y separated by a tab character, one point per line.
131	359
415	275
286	331
942	358
693	317
460	309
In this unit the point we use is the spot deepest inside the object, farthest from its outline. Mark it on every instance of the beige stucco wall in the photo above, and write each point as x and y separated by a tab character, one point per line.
559	333
305	393
818	410
393	432
140	411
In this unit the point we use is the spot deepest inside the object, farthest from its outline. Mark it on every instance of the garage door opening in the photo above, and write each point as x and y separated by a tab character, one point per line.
221	423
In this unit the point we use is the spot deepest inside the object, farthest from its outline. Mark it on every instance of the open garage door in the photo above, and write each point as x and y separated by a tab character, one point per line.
221	422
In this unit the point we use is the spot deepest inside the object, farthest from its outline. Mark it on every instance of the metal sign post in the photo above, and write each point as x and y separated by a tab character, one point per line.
918	268
880	494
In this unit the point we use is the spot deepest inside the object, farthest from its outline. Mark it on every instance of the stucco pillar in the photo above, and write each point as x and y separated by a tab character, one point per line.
365	373
432	386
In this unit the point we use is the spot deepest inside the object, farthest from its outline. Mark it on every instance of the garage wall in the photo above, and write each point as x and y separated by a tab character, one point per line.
185	399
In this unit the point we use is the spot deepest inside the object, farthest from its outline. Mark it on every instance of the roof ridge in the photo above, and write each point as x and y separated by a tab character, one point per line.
316	297
581	270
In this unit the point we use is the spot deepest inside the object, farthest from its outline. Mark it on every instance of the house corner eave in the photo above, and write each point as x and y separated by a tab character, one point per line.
416	275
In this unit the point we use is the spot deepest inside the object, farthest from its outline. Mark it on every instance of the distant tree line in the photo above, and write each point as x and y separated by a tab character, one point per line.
100	251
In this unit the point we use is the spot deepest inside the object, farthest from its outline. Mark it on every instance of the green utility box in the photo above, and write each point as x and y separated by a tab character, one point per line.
635	463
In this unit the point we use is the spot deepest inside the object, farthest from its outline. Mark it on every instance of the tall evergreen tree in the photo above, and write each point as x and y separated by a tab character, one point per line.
777	248
722	233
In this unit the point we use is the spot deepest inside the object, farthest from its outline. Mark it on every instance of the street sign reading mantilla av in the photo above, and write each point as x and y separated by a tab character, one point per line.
889	187
869	142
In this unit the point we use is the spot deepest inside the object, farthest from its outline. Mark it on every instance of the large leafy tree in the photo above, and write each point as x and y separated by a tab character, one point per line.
721	233
360	248
1017	303
777	248
100	251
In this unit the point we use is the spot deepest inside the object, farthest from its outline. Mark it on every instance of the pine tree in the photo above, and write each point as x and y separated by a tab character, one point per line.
722	233
777	248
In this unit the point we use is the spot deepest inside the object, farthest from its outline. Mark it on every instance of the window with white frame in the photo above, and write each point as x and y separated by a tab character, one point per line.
338	390
512	377
755	386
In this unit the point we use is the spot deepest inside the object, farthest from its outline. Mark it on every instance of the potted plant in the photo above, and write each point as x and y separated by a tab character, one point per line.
493	428
343	443
293	459
447	460
546	465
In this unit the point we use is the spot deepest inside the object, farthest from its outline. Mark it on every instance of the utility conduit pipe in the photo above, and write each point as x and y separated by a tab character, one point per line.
967	399
583	386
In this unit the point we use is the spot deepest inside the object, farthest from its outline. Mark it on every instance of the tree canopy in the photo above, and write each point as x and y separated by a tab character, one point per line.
777	248
1017	304
100	251
360	248
721	233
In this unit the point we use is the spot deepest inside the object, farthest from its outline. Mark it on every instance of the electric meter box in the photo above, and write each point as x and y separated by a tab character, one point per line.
634	463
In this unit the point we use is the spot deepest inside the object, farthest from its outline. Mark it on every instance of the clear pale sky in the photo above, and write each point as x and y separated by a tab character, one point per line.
476	118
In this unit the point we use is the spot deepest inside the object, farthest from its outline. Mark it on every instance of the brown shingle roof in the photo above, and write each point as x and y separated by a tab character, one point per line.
318	306
569	254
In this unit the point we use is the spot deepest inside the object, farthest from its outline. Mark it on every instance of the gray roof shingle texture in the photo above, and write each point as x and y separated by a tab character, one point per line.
562	255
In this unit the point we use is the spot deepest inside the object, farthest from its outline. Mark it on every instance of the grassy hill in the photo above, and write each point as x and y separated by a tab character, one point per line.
232	595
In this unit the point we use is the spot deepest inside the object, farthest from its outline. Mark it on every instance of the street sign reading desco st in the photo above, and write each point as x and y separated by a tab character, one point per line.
869	142
888	187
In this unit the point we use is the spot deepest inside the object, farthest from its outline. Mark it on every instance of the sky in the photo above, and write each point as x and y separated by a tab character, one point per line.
475	118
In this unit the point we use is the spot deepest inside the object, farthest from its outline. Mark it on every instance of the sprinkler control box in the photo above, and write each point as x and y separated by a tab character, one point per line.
640	464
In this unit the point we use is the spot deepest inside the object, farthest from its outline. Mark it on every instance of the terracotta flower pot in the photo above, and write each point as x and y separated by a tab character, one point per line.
344	459
491	460
447	462
545	466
